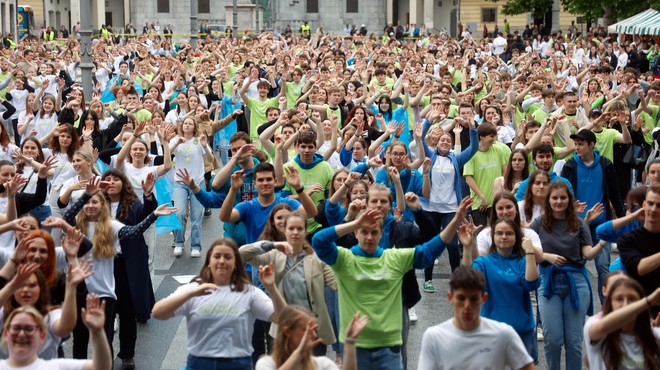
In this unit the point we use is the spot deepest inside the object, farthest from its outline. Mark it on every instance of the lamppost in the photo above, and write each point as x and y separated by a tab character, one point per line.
234	16
86	65
193	24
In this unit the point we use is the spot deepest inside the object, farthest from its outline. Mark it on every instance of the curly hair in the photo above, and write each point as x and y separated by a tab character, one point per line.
127	195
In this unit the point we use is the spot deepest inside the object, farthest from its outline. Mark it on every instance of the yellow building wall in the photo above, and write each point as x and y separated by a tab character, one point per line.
470	12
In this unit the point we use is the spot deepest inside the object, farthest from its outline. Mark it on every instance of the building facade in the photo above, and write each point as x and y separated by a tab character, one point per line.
331	15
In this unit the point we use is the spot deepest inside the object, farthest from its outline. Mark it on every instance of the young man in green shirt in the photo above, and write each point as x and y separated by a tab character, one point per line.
481	171
369	280
259	106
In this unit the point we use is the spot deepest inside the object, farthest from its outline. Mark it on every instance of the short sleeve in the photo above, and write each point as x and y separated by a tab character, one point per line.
261	305
468	169
184	310
533	236
585	234
243	210
516	354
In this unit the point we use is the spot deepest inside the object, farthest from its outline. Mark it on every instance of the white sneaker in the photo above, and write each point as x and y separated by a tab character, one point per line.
436	262
539	334
412	315
178	251
195	253
116	325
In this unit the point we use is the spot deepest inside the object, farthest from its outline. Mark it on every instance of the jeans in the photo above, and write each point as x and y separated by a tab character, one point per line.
602	262
180	195
332	302
383	358
531	344
208	363
562	323
42	212
440	221
405	330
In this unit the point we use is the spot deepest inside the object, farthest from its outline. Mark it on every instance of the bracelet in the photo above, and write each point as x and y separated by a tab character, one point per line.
397	136
349	341
302	188
425	172
148	195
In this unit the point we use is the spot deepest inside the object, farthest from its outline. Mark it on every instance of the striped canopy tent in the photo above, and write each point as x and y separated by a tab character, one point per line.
644	23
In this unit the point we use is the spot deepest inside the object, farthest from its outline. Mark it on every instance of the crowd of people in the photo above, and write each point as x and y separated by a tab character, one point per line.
338	166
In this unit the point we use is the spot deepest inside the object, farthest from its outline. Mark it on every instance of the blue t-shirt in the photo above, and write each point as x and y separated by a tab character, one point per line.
255	216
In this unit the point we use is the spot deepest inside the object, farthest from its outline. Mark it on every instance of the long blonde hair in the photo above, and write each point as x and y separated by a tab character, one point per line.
291	317
104	239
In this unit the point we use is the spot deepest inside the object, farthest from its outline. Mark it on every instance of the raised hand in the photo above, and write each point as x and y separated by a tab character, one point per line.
394	173
355	327
293	177
148	183
25	270
267	275
78	274
237	179
283	247
412	201
94	185
594	212
164	210
463	208
72	240
369	219
15	184
93	315
309	339
185	178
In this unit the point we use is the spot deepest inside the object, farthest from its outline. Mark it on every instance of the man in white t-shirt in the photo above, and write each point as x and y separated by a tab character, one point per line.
499	44
469	341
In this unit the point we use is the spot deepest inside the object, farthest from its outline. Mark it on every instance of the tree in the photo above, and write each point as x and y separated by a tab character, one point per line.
611	10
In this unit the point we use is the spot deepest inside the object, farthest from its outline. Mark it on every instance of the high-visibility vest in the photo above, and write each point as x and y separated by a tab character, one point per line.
304	29
12	44
104	33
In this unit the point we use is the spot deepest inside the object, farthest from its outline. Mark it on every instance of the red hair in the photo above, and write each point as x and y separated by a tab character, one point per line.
49	267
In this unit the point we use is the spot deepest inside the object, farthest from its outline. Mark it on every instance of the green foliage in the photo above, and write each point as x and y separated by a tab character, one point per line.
591	9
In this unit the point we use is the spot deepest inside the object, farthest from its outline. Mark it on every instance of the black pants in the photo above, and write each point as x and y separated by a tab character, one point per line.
17	137
125	310
81	333
261	341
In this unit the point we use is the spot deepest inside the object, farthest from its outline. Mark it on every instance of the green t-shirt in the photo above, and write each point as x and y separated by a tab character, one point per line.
426	100
605	141
322	174
650	122
293	93
485	167
372	285
375	87
258	114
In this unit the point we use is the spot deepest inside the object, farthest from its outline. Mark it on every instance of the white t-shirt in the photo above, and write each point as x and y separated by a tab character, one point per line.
7	239
633	355
189	156
137	175
76	194
48	349
443	195
499	43
56	364
103	280
220	324
63	170
493	345
536	212
484	239
320	363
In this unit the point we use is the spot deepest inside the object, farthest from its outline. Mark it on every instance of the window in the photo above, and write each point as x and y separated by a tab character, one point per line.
203	6
163	6
312	6
351	6
488	15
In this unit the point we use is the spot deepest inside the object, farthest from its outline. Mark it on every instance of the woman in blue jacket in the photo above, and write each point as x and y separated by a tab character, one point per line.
441	187
511	274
